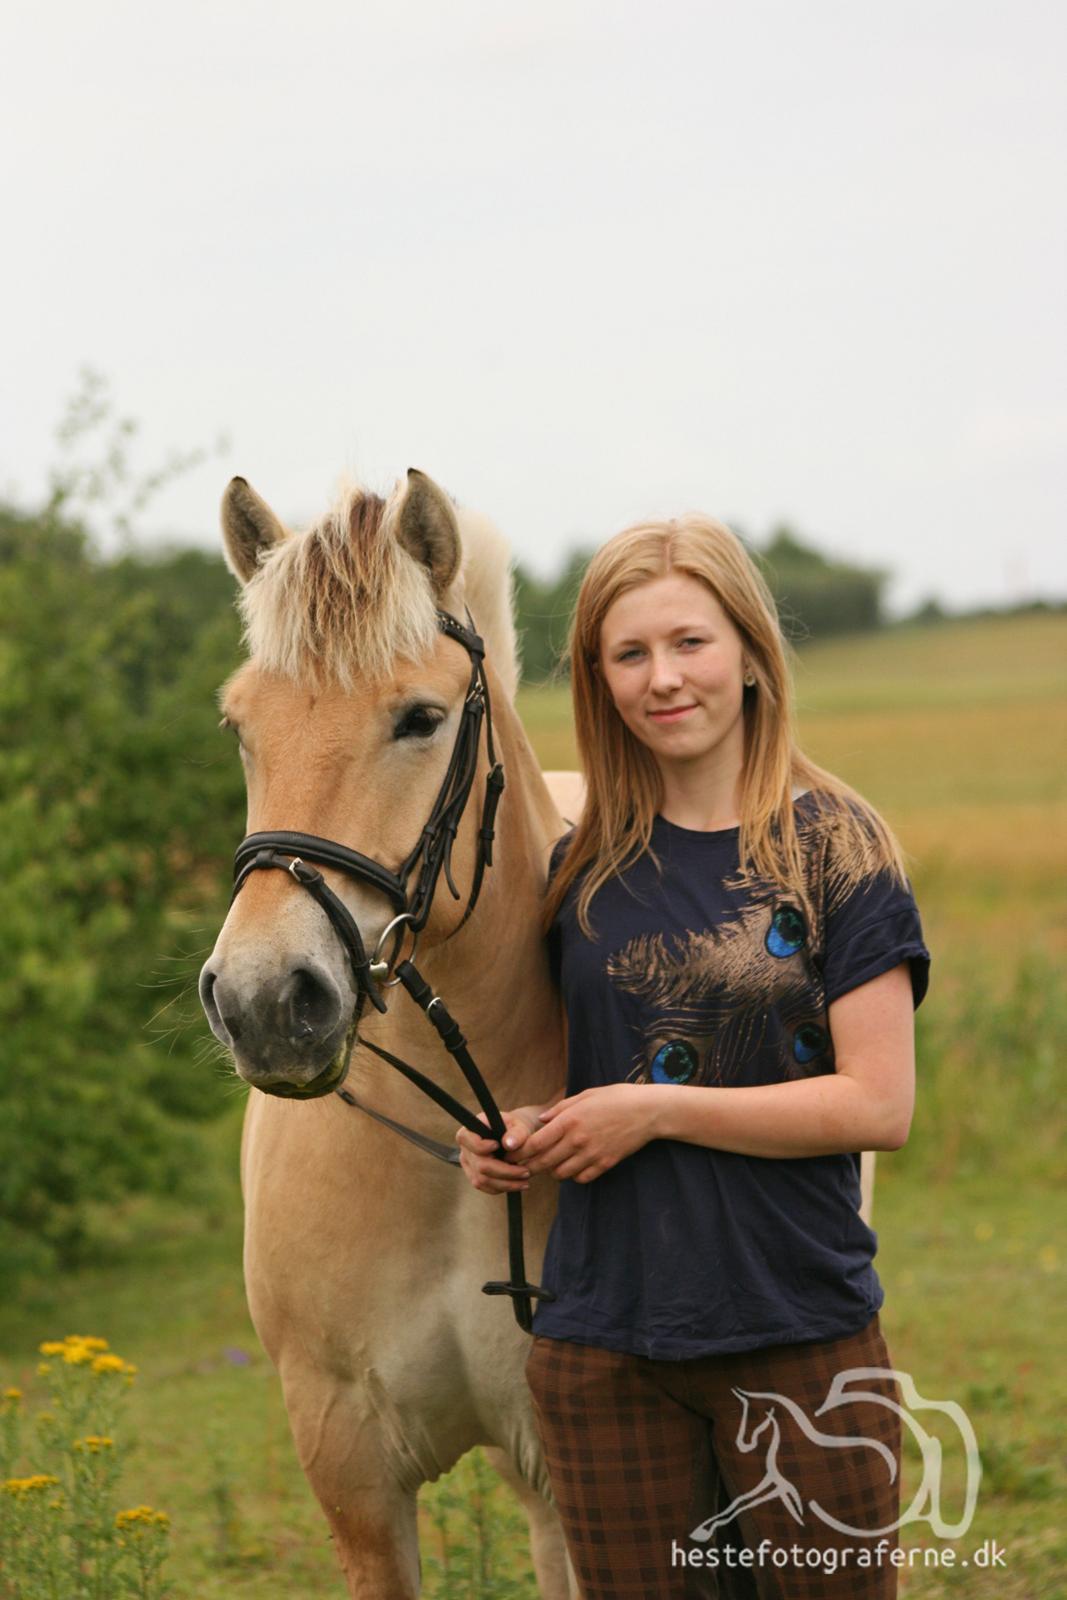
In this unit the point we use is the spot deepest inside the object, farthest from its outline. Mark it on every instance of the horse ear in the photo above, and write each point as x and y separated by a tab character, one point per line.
427	528
249	528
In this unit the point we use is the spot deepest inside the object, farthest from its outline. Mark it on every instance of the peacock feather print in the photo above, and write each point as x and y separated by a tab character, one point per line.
706	999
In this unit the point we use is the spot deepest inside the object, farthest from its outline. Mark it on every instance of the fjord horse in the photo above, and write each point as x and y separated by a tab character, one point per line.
364	1258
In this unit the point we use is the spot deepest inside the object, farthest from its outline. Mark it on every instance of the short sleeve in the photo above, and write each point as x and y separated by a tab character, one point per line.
873	929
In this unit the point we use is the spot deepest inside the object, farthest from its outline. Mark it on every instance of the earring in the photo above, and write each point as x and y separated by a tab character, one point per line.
749	680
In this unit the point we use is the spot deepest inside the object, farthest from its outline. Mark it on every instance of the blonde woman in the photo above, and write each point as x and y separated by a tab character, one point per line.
739	954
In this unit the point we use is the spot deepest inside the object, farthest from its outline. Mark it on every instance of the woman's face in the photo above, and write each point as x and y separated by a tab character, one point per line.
673	663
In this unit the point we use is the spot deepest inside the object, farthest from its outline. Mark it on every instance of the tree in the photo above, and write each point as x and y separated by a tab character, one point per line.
116	815
817	596
543	612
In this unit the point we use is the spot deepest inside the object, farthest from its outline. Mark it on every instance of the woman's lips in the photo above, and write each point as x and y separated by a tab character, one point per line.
675	714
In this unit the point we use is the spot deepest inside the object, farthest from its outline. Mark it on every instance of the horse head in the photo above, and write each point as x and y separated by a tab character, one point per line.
346	714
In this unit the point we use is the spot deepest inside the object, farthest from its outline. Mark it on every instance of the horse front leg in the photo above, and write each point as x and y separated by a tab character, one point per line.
351	1466
548	1548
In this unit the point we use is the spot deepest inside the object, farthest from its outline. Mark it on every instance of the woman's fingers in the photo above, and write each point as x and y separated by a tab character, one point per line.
470	1141
550	1145
494	1177
486	1167
518	1132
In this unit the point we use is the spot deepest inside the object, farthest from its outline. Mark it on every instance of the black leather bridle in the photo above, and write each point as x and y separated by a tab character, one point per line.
432	855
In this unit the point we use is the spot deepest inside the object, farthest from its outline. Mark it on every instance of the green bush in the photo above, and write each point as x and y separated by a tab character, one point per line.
117	810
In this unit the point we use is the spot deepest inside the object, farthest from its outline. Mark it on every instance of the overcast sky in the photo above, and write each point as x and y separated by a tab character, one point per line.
580	262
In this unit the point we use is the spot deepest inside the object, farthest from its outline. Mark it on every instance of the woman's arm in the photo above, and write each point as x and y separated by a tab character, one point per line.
866	1104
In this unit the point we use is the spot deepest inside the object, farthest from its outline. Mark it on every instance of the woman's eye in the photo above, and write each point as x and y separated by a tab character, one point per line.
418	723
630	655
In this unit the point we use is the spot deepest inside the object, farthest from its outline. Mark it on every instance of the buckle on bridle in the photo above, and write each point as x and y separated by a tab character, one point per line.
301	873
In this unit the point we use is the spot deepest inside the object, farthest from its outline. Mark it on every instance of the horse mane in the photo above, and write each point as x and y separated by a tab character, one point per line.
344	600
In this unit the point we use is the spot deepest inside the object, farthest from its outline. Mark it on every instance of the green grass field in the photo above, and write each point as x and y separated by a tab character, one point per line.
958	734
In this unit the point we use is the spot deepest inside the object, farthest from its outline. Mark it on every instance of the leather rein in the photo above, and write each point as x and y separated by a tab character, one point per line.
432	855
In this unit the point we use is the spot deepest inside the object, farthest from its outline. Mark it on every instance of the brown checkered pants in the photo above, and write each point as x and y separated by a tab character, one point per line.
641	1453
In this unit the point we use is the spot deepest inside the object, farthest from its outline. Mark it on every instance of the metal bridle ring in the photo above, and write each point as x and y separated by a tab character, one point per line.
383	966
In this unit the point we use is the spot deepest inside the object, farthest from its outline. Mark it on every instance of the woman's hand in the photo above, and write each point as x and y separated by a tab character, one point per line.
499	1174
591	1132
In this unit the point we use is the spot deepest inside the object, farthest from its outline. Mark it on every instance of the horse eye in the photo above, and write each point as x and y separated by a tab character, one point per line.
418	723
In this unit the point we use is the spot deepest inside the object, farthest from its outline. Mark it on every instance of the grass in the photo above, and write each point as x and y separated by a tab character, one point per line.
211	1440
957	734
974	1278
974	1274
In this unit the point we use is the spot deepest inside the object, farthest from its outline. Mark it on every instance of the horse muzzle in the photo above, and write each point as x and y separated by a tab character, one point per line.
288	1036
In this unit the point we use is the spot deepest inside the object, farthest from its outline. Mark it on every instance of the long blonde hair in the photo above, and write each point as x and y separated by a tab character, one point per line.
623	783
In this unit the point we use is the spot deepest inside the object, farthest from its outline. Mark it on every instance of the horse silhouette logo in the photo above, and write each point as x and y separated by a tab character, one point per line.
759	1421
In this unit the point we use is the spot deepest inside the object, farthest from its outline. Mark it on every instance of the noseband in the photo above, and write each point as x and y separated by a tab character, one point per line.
432	855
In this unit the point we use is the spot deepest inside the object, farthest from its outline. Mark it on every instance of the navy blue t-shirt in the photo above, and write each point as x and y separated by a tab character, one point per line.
710	976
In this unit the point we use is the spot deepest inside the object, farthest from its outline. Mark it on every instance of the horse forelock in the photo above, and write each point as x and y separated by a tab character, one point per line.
340	601
343	601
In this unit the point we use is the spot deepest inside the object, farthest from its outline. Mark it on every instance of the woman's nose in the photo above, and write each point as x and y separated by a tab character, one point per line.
665	674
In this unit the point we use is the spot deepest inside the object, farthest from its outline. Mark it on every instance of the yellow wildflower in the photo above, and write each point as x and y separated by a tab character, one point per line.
52	1347
87	1341
13	1396
43	1368
141	1515
94	1443
77	1355
24	1486
109	1363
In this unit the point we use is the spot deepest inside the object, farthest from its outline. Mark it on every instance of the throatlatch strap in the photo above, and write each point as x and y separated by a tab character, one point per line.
433	1147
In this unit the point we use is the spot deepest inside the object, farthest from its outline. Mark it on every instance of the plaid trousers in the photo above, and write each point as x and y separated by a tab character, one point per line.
641	1453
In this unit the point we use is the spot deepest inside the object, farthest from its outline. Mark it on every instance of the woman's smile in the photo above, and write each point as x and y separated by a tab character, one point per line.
671	713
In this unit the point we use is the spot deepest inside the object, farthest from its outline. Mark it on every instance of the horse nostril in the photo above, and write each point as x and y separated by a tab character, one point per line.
207	996
312	1006
226	1029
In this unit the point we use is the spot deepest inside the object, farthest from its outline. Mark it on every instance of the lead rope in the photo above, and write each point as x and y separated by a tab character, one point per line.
520	1291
